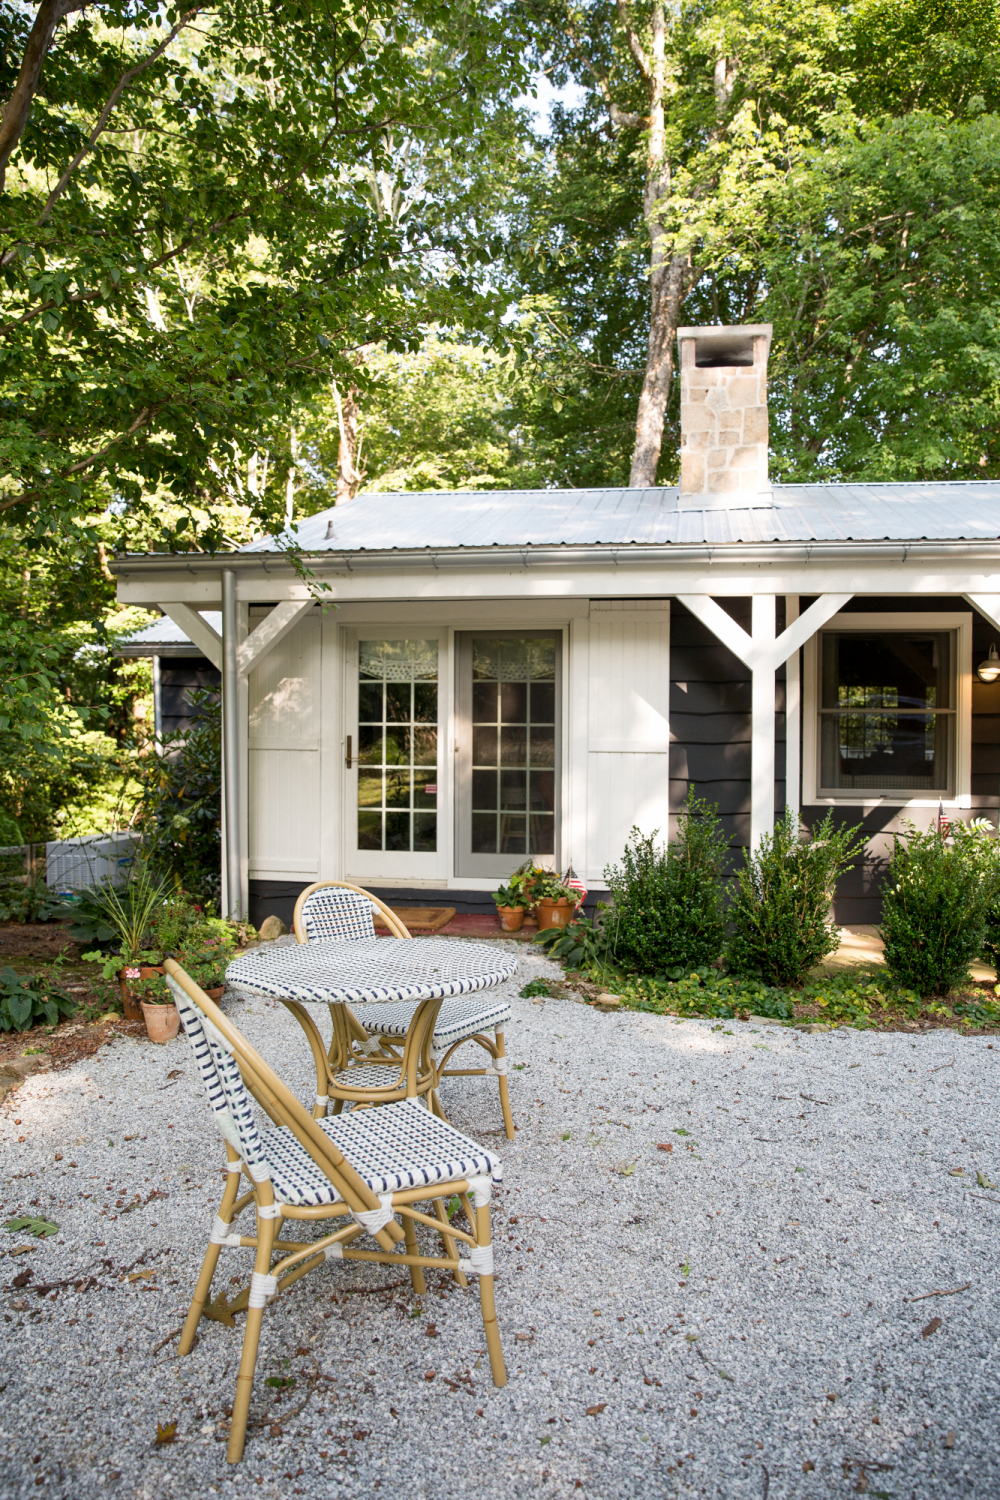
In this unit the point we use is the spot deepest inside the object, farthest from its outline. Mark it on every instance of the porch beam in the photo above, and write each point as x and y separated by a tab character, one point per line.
272	629
197	629
763	652
230	748
987	604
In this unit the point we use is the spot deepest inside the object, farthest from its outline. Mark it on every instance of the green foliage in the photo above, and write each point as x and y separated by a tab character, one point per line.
668	899
30	901
582	944
535	989
27	1224
10	832
27	999
935	907
180	811
780	912
183	267
130	913
508	895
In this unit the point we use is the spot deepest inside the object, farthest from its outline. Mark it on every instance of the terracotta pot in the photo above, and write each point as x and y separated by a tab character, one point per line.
511	917
152	971
554	913
130	1007
162	1021
217	993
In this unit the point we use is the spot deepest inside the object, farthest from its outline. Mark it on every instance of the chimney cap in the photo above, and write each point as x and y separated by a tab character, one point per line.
726	345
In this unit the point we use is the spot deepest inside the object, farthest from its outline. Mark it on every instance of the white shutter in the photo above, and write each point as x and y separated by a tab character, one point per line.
285	703
628	741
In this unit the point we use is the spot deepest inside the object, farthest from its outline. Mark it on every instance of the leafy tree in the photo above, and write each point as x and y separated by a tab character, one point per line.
189	244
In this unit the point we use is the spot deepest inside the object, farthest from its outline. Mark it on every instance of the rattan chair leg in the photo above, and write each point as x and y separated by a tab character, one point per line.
508	1118
488	1306
266	1235
212	1254
412	1248
450	1247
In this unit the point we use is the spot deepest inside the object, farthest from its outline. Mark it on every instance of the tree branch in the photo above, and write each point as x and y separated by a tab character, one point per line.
14	115
643	62
85	463
113	98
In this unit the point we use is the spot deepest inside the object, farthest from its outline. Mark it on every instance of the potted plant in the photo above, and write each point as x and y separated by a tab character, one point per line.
510	907
554	902
157	1008
127	917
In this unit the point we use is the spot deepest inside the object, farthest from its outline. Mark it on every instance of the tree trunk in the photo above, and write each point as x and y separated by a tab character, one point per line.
348	475
14	115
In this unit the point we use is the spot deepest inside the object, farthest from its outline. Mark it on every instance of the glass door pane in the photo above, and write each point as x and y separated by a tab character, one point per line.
397	746
508	750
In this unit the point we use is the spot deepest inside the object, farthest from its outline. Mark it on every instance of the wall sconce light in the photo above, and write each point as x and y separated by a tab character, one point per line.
989	670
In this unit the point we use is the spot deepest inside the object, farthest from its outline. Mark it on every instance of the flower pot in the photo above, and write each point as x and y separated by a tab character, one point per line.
131	1009
554	913
152	971
217	993
511	917
162	1021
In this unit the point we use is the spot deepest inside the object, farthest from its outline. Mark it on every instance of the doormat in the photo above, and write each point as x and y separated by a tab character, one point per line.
419	918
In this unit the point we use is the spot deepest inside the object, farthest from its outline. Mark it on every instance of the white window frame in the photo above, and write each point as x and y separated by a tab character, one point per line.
961	625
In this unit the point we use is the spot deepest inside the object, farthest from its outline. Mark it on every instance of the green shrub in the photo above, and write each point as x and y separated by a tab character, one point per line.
936	907
27	999
780	913
10	830
30	901
181	807
667	912
581	944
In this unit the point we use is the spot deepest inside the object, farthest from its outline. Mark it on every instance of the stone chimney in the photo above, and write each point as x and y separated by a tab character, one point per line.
724	416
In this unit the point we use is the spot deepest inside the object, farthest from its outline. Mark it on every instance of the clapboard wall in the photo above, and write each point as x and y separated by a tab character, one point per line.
710	721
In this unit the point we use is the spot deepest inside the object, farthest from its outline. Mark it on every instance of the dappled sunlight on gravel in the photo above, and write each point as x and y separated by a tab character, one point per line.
707	1240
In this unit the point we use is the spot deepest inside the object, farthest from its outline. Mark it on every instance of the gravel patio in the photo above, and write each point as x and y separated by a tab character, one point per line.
707	1284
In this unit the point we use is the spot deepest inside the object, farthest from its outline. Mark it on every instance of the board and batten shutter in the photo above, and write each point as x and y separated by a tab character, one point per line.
628	741
285	717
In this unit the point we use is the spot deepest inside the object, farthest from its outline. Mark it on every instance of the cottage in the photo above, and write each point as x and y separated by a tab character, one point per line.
468	678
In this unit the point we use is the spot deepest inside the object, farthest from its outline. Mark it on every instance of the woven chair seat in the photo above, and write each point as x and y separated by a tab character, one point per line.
393	1147
458	1018
370	1076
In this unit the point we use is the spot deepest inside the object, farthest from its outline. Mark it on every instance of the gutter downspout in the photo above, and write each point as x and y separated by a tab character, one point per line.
230	745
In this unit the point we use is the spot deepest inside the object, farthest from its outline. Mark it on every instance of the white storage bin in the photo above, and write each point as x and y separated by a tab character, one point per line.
79	864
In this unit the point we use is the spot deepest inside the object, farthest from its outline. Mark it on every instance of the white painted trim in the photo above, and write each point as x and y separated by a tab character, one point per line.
793	714
331	750
721	624
630	747
576	677
762	720
197	629
272	629
961	623
768	652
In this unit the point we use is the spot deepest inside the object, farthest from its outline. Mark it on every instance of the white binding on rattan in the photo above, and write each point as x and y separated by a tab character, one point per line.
322	1100
499	1067
222	1234
374	1219
334	1252
269	1210
259	1171
481	1189
479	1262
262	1289
370	1045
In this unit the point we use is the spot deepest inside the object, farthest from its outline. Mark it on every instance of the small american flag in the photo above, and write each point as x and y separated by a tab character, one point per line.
572	882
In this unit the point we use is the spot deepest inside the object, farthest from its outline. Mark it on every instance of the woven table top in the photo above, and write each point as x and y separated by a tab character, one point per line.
371	969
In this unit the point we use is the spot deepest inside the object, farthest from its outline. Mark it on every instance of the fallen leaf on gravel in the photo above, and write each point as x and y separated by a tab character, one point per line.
22	1278
666	1147
42	1227
949	1441
932	1327
985	1182
218	1311
166	1432
681	1131
141	1275
431	1332
808	1467
545	1440
595	1411
175	1072
430	1374
20	1250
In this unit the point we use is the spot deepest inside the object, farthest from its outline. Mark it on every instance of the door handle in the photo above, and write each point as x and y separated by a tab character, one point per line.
347	758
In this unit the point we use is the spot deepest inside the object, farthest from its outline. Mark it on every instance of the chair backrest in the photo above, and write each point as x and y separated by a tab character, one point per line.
235	1073
333	910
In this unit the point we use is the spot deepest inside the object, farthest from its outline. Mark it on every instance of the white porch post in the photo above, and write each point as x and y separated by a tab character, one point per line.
793	704
762	720
763	654
230	748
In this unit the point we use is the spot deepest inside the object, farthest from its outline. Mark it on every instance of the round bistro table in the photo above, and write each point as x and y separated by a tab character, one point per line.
364	971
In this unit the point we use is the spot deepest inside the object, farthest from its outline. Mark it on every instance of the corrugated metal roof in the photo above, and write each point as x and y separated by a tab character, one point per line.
948	511
164	632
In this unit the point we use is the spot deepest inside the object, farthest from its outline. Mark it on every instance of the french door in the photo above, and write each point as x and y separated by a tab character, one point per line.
394	714
508	713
